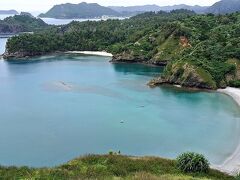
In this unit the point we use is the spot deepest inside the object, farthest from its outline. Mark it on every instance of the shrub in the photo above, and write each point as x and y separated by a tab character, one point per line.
237	176
235	83
192	163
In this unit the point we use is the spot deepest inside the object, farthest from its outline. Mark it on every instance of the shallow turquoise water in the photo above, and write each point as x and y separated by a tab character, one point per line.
54	109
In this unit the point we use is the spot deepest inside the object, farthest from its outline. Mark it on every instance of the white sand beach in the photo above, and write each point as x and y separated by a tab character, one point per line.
97	53
233	92
232	164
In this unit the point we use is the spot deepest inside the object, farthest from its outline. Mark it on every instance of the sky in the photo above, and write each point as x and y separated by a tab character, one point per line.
44	5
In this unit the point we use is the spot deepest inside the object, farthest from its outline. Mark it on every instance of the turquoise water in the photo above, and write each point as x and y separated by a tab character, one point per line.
56	108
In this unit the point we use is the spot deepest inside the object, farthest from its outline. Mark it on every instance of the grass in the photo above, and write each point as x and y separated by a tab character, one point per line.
206	77
169	49
110	167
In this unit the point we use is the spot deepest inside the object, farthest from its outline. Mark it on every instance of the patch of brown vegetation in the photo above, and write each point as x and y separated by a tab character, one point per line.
184	42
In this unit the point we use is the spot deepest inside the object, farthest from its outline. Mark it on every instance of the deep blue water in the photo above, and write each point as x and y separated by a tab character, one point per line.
56	108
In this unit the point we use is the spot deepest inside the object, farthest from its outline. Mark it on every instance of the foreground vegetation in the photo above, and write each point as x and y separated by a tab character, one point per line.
112	167
199	50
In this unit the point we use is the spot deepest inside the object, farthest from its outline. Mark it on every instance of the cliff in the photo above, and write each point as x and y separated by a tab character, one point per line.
186	75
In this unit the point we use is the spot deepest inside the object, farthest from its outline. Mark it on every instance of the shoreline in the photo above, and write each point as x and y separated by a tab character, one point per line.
96	53
232	92
27	56
232	164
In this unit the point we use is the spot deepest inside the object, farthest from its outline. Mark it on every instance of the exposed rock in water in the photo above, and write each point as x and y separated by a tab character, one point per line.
186	75
8	55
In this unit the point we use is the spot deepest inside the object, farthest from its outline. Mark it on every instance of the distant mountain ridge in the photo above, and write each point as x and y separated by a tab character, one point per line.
94	10
81	10
224	6
154	7
144	8
8	12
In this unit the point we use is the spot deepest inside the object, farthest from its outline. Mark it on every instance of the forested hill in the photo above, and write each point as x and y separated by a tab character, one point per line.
21	23
81	10
198	50
224	6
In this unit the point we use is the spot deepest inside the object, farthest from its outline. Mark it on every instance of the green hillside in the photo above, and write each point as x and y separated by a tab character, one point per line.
111	167
196	49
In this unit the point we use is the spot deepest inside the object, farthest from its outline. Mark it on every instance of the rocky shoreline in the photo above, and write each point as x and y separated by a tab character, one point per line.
185	75
20	55
128	58
116	58
191	80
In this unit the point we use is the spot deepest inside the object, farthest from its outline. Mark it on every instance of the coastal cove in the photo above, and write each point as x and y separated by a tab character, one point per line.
116	90
57	110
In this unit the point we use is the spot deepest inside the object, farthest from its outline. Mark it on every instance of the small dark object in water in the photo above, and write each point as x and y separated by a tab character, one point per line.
63	83
141	106
122	122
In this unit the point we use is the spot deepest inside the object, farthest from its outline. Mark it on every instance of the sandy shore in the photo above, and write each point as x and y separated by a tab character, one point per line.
233	92
232	164
96	53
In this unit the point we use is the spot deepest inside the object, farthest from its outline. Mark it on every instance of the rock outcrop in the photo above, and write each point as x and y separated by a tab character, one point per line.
8	55
186	75
128	58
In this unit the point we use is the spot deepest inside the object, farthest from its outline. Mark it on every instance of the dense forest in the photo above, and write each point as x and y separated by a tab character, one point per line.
200	51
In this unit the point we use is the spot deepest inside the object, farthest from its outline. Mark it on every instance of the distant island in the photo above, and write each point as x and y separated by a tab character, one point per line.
224	6
24	22
94	10
8	12
220	7
154	8
81	10
198	51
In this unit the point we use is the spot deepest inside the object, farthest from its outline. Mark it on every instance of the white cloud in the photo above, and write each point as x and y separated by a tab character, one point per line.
44	5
